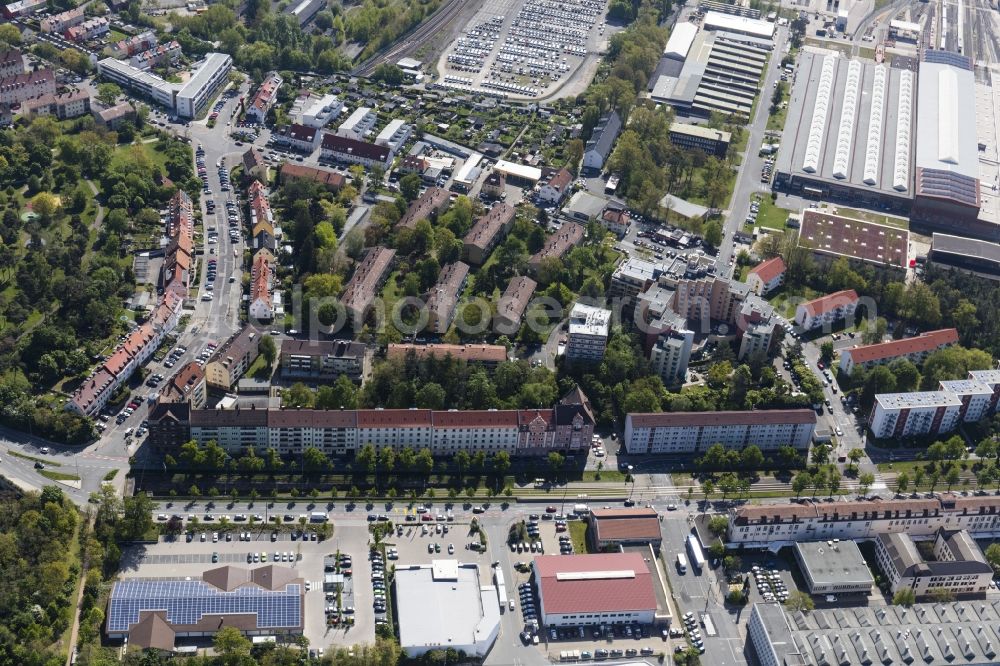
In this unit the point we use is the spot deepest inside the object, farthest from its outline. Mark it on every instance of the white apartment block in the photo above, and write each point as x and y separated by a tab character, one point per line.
914	349
359	124
394	135
773	526
958	565
695	432
932	412
588	333
321	111
670	355
194	96
826	310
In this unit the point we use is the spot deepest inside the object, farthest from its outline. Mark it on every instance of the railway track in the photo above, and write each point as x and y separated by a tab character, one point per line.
413	40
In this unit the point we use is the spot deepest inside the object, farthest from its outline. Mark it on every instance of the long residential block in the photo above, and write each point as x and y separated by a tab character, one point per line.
22	87
913	349
324	359
566	427
442	299
933	412
487	232
694	432
513	305
369	276
775	525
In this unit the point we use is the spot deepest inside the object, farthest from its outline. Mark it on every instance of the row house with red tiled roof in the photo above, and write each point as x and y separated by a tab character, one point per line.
22	87
775	525
261	308
138	346
766	276
566	427
913	349
826	310
263	101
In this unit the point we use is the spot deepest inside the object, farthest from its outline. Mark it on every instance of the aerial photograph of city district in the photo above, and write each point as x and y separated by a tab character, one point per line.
499	332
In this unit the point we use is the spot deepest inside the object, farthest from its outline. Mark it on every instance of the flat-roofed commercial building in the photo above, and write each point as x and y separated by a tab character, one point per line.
740	25
445	605
958	567
694	432
607	588
610	528
914	349
711	141
774	526
850	132
833	567
830	237
966	253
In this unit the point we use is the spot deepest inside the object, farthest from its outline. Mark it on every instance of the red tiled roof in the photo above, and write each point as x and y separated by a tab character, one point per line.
487	226
830	302
768	270
559	243
433	199
506	418
755	417
595	594
394	418
626	524
560	179
926	342
330	179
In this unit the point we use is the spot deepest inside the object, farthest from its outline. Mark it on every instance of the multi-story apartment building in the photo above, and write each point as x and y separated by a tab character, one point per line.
442	299
324	359
351	151
358	125
558	244
589	328
958	567
602	140
694	432
826	310
432	202
488	356
59	22
331	180
933	412
301	138
72	104
913	349
554	190
89	29
616	220
264	99
394	135
233	358
369	276
712	141
261	308
19	88
633	277
187	385
486	233
775	525
11	63
513	304
670	355
321	110
766	276
566	427
208	77
143	83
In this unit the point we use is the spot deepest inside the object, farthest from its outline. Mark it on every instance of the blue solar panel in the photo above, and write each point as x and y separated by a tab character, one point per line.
187	601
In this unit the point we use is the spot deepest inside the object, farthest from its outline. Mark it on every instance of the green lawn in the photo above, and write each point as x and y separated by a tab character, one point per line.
786	298
578	536
155	156
58	476
258	369
874	217
18	454
776	121
771	216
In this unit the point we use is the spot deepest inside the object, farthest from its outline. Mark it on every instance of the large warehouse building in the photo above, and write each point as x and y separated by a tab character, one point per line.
849	132
610	588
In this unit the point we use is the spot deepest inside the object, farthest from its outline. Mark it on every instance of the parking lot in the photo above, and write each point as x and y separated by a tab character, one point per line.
524	48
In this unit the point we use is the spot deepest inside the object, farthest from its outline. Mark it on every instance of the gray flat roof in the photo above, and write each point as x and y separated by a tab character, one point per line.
947	128
799	123
965	247
930	634
840	562
444	604
211	64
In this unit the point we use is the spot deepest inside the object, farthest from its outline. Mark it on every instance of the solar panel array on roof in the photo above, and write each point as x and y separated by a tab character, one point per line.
948	58
948	185
187	601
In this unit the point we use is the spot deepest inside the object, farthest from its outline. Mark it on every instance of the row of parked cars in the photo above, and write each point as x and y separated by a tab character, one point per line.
378	584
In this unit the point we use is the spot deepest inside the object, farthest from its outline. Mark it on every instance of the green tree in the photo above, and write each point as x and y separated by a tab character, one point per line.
992	555
556	461
826	352
366	458
799	601
314	460
904	597
854	455
108	93
409	186
713	234
865	482
718	525
820	454
902	482
801	482
232	645
268	350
